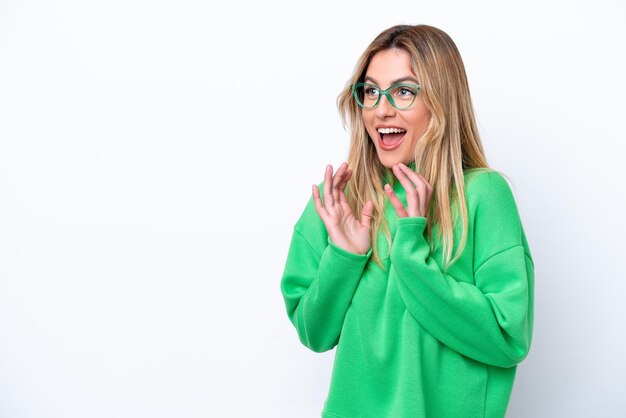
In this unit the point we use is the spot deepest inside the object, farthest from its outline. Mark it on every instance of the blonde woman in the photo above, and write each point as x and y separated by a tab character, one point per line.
411	258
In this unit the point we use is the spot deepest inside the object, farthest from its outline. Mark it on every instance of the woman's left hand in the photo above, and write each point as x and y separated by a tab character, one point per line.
418	192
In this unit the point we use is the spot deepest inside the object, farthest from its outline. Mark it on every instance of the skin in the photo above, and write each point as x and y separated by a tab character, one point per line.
344	229
386	67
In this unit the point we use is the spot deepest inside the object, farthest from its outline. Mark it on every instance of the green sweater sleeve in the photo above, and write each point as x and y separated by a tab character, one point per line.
318	283
491	320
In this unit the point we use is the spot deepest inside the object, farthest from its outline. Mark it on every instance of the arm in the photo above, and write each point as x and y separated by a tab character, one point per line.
318	287
489	321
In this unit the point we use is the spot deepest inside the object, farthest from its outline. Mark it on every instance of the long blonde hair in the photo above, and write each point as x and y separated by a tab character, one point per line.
450	144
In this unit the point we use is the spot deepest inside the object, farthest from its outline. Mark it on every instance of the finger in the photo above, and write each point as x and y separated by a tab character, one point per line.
419	184
342	187
337	180
342	190
412	197
367	214
395	202
429	193
427	200
343	201
416	178
328	185
344	180
319	206
422	186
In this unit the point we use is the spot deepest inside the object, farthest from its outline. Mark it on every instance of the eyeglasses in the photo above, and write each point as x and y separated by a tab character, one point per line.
401	95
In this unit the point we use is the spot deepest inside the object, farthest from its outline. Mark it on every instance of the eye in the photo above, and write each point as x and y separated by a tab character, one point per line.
371	91
404	91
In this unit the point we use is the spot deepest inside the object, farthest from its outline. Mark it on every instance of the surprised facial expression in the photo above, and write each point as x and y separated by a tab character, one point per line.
394	132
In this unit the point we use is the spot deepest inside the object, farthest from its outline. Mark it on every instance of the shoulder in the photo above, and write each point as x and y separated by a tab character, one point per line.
493	212
481	178
488	187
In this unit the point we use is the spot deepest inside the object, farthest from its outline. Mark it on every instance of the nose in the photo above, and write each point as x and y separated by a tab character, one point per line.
384	108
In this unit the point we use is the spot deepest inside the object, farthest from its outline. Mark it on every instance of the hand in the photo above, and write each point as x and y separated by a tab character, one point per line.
343	228
418	192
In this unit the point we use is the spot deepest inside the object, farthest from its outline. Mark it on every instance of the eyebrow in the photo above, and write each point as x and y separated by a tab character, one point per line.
408	78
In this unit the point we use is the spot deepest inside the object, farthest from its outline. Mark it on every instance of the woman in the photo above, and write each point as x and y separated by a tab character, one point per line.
429	295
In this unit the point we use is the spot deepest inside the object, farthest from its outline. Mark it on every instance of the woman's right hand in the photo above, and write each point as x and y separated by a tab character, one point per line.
343	228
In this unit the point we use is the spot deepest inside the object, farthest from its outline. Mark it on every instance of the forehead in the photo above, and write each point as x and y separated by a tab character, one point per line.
390	64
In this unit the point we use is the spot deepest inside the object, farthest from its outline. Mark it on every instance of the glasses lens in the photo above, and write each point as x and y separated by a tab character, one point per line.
366	95
403	95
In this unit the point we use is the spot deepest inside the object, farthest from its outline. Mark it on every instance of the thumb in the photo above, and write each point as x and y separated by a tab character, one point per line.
366	214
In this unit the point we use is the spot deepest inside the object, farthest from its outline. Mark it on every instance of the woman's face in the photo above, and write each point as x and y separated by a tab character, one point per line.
388	67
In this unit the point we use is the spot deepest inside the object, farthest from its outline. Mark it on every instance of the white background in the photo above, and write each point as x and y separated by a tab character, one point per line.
155	155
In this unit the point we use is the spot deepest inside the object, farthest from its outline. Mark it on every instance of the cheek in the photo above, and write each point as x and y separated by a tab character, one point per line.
366	118
369	124
421	119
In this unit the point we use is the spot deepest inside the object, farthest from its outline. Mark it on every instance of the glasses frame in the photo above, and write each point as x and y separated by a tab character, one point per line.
385	93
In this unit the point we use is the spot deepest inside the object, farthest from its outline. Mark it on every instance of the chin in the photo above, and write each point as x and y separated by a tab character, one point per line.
390	160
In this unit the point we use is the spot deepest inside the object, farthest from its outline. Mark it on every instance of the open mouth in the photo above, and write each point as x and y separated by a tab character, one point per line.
390	138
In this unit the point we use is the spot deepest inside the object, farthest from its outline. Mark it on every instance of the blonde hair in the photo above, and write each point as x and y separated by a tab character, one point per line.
449	145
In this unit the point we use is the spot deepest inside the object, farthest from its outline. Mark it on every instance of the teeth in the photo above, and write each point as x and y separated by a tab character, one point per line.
390	130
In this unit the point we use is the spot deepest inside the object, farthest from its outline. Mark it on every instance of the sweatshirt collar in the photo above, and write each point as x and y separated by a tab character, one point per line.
389	172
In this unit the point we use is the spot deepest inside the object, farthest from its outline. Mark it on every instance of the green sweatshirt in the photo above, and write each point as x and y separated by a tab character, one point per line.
412	341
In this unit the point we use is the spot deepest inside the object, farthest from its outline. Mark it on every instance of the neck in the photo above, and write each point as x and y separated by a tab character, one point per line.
389	172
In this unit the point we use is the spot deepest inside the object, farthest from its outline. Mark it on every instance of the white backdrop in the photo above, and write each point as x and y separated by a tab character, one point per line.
154	157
